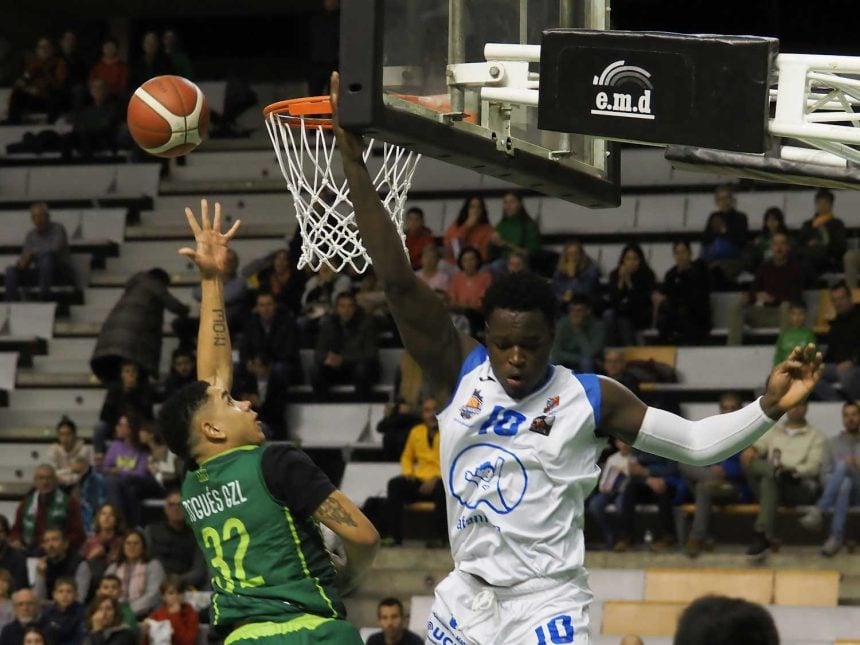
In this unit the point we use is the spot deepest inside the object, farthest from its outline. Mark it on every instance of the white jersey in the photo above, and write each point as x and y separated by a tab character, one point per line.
517	472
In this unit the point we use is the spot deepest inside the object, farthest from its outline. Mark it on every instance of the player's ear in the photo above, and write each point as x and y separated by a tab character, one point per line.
212	432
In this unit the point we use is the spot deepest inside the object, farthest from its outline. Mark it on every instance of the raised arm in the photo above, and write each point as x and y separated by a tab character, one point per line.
421	317
214	353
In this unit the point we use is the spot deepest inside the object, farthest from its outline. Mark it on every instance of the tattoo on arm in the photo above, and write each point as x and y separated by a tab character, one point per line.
219	328
332	509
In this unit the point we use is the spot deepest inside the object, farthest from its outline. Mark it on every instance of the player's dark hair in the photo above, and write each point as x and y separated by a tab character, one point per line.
524	291
718	620
391	601
175	417
464	211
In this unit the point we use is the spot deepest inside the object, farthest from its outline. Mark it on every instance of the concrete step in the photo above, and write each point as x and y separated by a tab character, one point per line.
253	229
86	320
81	349
251	208
28	377
69	401
107	297
39	423
144	255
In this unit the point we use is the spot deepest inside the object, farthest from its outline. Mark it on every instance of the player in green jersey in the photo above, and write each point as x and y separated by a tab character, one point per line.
255	508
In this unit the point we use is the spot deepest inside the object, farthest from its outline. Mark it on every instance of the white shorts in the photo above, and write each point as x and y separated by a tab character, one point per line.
543	611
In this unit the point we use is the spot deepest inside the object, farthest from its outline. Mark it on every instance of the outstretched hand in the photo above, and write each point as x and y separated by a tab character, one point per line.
792	381
351	145
211	253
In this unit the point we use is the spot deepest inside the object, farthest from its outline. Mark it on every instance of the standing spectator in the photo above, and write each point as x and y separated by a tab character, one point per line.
725	237
392	622
777	282
651	480
12	560
104	545
171	542
579	337
140	576
179	615
283	280
65	619
95	125
44	256
431	272
182	372
46	506
134	327
823	240
126	473
515	232
91	490
112	70
472	228
324	47
179	60
724	482
105	624
782	467
68	447
796	333
267	392
153	61
418	236
468	285
7	587
630	286
682	305
318	299
25	604
719	620
132	396
576	274
610	487
42	85
421	478
615	367
842	476
842	359
110	586
60	562
773	223
273	332
346	350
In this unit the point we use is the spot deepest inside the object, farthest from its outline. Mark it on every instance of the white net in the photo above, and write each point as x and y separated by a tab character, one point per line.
324	209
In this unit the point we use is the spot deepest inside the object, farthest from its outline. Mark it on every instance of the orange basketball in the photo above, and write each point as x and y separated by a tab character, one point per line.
168	116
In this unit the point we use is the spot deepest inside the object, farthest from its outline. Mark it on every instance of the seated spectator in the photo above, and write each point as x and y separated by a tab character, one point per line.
73	58
140	576
95	125
773	223
720	620
111	70
471	229
516	263
34	636
133	330
182	372
842	358
515	232
392	622
126	470
346	351
60	562
46	506
579	337
178	58
630	286
7	587
25	606
724	240
105	624
151	63
171	542
576	274
795	334
651	480
460	321
42	85
91	490
468	285
421	479
163	466
12	560
610	488
110	586
67	448
777	282
842	477
44	259
318	299
723	482
395	426
418	236
370	296
104	545
615	367
822	240
260	384
782	467
273	332
430	271
284	281
65	619
174	616
682	305
132	396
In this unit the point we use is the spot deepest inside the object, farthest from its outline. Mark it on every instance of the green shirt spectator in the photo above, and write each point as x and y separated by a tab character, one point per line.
579	338
516	231
795	334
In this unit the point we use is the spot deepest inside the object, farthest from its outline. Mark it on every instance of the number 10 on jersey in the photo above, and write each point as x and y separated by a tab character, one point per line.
560	630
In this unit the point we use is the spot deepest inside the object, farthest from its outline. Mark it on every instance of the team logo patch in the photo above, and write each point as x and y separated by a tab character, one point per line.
485	474
551	404
473	405
543	424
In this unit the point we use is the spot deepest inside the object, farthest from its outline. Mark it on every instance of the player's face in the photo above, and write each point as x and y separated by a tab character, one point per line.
851	418
519	344
390	620
234	418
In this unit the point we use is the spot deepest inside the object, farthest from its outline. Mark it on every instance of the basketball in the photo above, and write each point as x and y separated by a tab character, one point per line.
168	116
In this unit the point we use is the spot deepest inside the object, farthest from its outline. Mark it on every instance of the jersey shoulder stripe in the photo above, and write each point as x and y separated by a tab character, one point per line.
591	384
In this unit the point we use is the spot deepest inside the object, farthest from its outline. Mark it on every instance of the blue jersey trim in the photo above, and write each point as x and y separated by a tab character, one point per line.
472	361
591	384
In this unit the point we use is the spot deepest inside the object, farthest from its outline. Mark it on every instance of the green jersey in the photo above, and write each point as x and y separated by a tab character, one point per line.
789	339
250	509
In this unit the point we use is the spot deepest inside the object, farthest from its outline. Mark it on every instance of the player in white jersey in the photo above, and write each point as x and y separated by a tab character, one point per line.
520	440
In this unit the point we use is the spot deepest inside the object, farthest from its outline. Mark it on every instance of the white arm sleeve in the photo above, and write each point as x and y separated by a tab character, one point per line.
703	442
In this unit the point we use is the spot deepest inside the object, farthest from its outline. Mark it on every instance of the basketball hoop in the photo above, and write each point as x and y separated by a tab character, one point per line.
300	130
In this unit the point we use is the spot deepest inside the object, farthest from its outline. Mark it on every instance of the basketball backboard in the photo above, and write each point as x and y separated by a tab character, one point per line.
395	58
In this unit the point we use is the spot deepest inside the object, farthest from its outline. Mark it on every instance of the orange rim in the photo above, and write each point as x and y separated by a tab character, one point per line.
309	111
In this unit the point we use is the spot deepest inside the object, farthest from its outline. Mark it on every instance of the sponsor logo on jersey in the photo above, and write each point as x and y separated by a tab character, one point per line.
473	520
473	405
487	474
551	404
543	424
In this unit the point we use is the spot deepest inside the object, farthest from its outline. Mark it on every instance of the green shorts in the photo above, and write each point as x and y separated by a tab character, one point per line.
303	630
